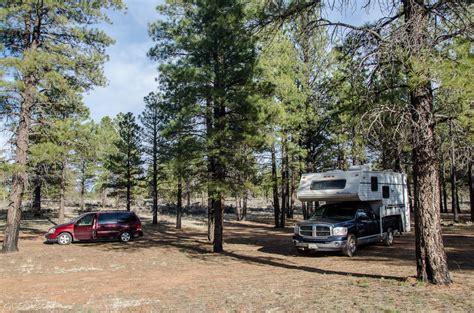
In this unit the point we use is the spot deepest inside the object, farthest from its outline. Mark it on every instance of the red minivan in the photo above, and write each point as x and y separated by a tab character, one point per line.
96	226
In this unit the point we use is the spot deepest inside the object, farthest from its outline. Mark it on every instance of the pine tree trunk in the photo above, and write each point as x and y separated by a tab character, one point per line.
276	201
104	198
470	176
20	176
458	201
453	176
188	193
431	258
154	185
179	204
37	198
62	191
83	191
440	186
443	186
210	218
287	186
219	224
244	205
129	190
283	186
238	211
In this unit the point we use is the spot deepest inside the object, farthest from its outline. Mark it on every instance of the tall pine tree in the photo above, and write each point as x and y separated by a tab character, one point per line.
125	165
208	46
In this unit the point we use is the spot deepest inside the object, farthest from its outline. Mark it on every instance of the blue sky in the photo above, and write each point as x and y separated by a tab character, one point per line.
130	73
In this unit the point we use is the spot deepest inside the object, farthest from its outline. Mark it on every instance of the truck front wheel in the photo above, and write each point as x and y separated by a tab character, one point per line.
351	246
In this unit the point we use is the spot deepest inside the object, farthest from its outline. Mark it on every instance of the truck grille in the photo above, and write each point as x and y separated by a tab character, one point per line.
323	231
306	230
315	231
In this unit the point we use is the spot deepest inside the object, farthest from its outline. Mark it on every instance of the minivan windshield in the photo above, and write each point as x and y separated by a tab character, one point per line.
335	212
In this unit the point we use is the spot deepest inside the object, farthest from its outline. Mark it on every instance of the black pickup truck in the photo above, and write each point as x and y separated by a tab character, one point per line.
344	226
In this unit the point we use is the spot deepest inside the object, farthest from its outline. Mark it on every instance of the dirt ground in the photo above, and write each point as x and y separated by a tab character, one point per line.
174	270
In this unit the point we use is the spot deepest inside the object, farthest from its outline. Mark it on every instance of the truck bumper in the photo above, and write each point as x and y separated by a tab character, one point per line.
336	245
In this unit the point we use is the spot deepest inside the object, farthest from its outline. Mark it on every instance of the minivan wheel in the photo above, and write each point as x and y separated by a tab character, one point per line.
64	238
125	237
351	246
388	239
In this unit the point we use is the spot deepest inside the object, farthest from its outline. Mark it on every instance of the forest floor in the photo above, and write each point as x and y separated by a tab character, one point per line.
174	270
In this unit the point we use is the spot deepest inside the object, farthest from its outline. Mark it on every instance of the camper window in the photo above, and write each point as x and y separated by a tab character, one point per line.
374	183
385	192
328	184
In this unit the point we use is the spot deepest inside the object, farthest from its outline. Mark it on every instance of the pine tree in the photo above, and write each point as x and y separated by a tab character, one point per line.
125	165
57	55
209	51
151	120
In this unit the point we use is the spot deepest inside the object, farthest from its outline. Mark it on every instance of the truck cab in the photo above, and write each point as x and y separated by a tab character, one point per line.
340	227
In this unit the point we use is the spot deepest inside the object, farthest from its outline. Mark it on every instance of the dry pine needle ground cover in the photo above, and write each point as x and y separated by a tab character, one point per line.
171	270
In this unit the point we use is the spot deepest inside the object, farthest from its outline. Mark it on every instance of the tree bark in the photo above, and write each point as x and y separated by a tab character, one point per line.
188	193
470	176
287	186
104	198
83	186
431	258
129	188
179	204
19	179
283	186
36	206
444	188
458	201
210	218
453	178
62	192
244	205
154	183
276	200
238	211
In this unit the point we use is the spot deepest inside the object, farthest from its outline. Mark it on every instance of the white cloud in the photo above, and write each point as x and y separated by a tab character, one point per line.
130	73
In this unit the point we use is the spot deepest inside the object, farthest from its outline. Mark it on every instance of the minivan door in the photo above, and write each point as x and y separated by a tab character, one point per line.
107	226
83	227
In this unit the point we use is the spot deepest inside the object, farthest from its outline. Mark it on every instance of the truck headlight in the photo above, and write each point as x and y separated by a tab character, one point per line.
296	230
51	230
339	231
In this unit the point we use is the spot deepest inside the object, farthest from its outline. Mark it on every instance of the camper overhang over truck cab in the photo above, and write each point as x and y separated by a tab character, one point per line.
361	206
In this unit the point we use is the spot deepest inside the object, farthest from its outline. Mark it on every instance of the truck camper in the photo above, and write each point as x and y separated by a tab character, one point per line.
361	206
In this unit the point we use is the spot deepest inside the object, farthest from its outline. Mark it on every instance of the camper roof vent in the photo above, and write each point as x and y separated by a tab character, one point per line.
365	167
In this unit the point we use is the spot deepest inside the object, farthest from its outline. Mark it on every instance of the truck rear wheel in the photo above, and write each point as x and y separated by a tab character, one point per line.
351	246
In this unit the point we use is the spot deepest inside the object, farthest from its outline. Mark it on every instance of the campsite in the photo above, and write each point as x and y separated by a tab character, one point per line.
236	155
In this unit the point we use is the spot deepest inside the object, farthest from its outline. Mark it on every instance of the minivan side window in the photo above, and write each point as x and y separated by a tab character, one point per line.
374	183
126	218
86	220
107	218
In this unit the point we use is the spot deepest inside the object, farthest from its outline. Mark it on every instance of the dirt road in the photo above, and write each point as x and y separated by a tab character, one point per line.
170	270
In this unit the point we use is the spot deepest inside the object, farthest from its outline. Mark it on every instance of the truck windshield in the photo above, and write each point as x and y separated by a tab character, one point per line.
335	212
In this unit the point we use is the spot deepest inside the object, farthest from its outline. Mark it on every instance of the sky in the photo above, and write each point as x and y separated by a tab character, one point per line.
131	74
